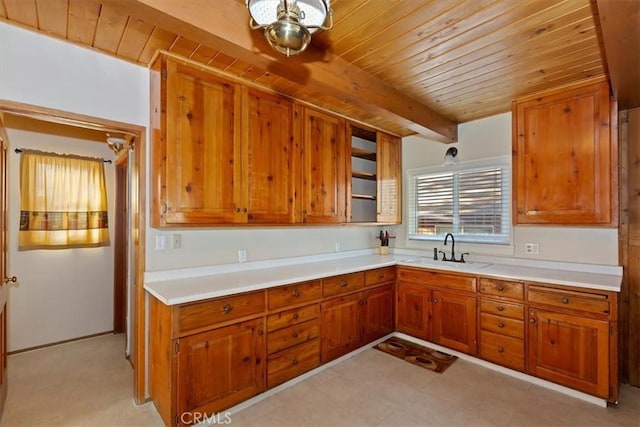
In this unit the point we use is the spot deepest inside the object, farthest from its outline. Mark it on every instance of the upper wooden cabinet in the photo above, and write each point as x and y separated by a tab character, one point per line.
324	168
565	159
270	157
389	178
196	145
227	153
222	153
374	190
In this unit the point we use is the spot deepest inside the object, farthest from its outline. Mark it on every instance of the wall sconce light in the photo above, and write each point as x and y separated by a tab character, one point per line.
288	24
450	158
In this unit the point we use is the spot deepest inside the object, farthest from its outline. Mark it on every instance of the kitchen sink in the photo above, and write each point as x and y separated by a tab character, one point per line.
425	262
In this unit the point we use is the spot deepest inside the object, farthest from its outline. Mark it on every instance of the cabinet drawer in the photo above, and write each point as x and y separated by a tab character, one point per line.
379	275
500	308
502	288
502	325
584	301
284	296
502	350
210	312
344	283
291	317
440	280
296	334
283	366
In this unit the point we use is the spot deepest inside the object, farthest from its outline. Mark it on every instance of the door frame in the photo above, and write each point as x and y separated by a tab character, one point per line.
121	245
137	184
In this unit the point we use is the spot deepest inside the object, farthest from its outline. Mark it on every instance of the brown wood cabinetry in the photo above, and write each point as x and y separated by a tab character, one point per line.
324	168
501	317
196	142
431	307
573	338
374	190
389	182
565	160
211	141
219	368
270	160
356	318
206	356
227	153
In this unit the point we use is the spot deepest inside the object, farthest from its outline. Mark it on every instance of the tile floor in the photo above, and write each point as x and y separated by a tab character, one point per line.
88	383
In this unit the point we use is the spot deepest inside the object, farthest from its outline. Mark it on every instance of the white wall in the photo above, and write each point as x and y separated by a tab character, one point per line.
47	72
61	294
44	71
491	137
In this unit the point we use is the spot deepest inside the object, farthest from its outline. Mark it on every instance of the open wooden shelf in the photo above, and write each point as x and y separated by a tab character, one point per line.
364	175
363	154
363	196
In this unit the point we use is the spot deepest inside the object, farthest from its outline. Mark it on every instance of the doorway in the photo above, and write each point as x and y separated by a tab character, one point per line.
135	220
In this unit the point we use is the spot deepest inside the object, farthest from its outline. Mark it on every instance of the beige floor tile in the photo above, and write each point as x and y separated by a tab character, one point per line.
89	384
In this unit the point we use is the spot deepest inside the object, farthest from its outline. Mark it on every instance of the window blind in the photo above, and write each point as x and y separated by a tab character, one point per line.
473	204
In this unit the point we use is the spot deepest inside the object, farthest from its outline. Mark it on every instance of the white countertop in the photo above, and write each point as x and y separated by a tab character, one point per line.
178	287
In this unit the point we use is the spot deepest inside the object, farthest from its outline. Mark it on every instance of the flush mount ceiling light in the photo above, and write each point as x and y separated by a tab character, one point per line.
116	143
288	24
450	157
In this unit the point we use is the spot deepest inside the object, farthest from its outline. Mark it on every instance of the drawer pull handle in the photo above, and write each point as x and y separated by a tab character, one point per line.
500	308
500	325
532	321
296	293
295	316
564	300
260	332
294	335
226	309
500	288
500	350
435	300
381	276
294	362
344	284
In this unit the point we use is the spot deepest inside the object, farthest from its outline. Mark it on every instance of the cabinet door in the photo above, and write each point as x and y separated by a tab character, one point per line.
269	159
454	321
341	330
378	313
569	350
563	157
389	178
325	168
201	170
413	310
220	368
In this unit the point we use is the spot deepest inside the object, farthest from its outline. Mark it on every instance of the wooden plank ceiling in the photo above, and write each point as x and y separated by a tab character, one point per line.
460	59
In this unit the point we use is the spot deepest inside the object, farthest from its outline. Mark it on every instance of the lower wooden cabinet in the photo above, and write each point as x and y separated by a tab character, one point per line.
570	350
293	343
220	368
454	321
341	326
353	320
378	318
443	317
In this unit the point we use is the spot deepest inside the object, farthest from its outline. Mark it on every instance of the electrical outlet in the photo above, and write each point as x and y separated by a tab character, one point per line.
176	241
242	255
338	247
161	243
532	248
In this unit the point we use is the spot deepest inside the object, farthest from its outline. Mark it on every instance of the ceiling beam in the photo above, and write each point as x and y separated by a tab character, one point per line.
620	23
223	25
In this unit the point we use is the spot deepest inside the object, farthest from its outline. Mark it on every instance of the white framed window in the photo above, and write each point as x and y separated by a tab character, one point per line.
472	200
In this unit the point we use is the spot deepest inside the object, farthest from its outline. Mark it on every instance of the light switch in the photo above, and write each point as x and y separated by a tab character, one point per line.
161	243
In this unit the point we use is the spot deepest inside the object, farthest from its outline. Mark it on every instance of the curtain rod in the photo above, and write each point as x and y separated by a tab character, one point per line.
20	150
